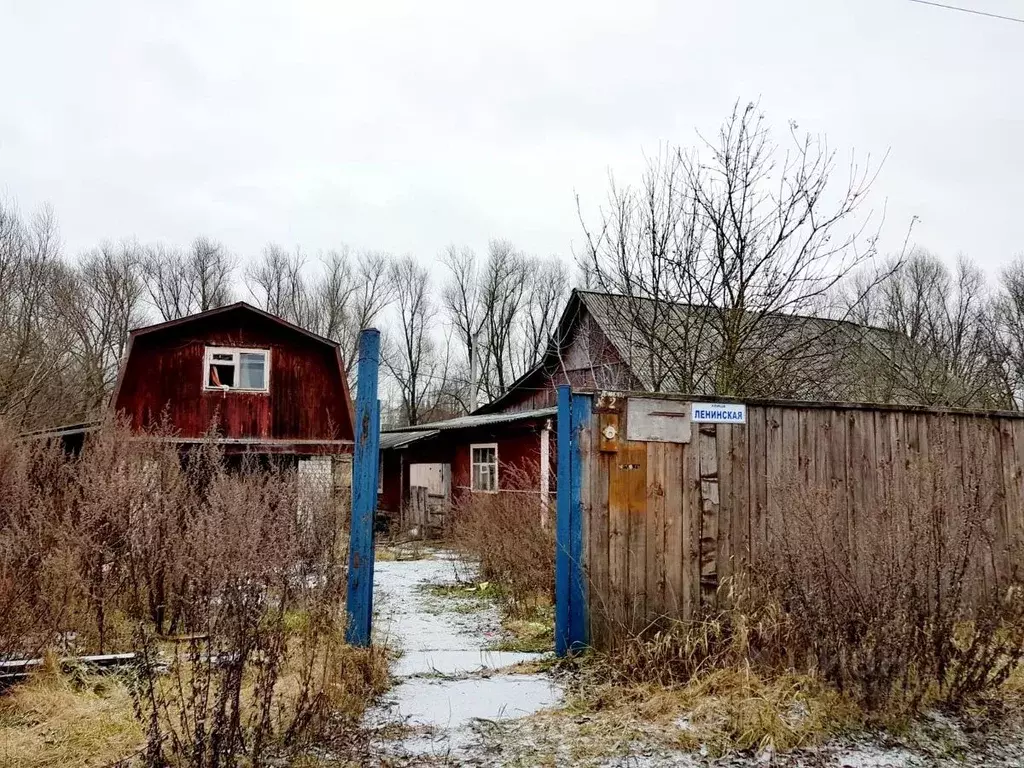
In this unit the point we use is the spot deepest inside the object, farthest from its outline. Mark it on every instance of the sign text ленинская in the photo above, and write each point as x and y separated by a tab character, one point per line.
719	413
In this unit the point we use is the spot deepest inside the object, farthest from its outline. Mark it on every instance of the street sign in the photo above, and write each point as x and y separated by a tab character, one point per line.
718	413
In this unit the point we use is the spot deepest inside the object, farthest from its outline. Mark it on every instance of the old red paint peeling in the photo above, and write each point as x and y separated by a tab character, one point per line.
162	383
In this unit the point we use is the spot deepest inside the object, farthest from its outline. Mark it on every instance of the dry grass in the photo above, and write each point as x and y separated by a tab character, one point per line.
129	543
54	722
502	532
728	709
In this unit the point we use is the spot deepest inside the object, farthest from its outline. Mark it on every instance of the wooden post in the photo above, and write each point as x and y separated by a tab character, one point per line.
364	492
570	581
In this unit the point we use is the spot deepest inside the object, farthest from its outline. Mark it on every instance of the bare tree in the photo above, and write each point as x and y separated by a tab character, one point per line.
723	253
503	293
463	305
181	284
941	348
277	284
104	303
1007	330
414	360
502	312
546	291
375	290
36	384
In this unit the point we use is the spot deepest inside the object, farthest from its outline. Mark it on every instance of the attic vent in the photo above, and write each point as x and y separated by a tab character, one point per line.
233	369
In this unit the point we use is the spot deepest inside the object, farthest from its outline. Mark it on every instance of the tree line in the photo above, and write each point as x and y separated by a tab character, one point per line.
726	255
64	321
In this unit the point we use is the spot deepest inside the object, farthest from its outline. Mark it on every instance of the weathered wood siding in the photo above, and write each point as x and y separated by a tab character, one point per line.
164	374
666	523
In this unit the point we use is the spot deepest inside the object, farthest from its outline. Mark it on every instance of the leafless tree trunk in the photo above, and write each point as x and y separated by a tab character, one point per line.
105	303
278	286
941	348
36	341
411	355
1007	331
181	284
375	290
502	312
723	253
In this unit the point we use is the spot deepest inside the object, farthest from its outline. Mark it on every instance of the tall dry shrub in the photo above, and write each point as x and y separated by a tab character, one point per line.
902	599
225	576
40	588
503	532
262	669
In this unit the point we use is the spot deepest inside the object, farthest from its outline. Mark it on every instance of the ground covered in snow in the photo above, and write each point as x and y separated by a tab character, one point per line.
455	702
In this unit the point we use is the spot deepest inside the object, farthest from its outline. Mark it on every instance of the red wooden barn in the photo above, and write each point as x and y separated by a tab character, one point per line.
261	384
265	385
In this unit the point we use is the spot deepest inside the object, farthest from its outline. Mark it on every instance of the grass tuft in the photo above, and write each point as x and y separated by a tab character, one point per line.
52	722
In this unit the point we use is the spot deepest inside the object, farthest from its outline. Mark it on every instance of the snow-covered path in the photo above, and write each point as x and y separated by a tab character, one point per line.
446	684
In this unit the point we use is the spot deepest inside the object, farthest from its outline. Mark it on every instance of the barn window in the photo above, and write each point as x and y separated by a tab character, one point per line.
237	369
484	467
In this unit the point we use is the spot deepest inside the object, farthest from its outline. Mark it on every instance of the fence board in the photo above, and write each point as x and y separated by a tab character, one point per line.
691	527
757	474
709	513
723	443
655	524
599	580
633	468
739	491
674	529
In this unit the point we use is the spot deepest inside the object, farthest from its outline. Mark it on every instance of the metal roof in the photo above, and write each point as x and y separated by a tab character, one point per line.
477	420
391	440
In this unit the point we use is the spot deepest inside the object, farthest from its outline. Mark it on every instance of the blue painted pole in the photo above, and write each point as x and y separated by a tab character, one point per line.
562	522
359	605
578	626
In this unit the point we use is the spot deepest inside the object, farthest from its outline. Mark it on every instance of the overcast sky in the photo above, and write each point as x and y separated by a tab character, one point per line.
407	126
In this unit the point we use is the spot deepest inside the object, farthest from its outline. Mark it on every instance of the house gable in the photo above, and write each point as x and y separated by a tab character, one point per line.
163	380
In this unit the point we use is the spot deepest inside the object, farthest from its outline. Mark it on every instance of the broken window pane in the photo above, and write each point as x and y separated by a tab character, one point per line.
222	375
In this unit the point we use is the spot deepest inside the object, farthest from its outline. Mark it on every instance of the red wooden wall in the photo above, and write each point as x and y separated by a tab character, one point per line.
164	375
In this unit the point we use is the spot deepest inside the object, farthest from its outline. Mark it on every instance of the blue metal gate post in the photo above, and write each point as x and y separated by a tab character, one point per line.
364	492
570	579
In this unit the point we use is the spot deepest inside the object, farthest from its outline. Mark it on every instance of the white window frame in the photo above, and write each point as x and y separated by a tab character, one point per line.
235	360
472	464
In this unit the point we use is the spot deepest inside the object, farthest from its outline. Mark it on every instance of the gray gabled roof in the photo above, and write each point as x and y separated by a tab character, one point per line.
658	340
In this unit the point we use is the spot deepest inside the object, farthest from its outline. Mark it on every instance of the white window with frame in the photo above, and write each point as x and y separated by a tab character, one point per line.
484	467
236	369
